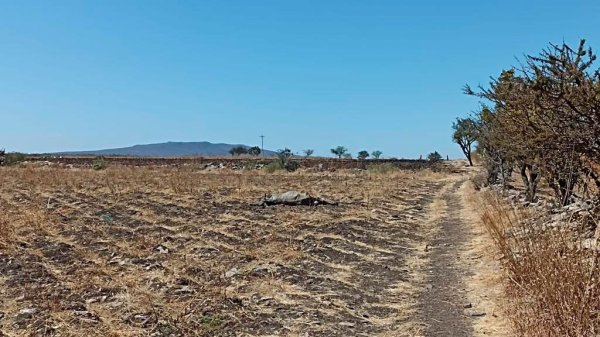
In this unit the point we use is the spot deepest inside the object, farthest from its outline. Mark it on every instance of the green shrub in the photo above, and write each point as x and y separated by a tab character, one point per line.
248	165
107	218
381	168
276	165
434	157
283	162
212	323
273	166
99	164
291	166
13	158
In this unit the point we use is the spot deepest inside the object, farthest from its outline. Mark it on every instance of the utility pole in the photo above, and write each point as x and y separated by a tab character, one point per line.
262	145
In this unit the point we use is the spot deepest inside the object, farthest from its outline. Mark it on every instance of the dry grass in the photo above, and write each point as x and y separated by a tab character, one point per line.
553	281
175	251
486	280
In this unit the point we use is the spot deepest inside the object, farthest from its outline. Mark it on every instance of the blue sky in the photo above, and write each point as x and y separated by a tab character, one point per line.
387	75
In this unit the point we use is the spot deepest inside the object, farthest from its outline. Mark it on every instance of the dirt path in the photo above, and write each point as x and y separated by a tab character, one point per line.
445	300
463	292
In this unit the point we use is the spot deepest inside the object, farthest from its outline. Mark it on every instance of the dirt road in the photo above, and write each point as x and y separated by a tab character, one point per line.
464	291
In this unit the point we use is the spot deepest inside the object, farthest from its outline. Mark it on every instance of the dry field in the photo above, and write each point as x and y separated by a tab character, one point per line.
176	252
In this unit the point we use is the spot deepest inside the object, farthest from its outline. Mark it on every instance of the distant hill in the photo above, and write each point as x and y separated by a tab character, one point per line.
169	149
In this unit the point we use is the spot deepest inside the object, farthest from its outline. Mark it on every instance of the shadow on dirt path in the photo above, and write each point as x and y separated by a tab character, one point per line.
445	299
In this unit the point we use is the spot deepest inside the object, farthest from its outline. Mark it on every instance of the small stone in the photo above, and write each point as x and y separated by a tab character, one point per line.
83	313
468	306
348	324
265	299
232	272
474	313
154	265
162	249
28	311
114	304
96	299
184	290
24	316
589	243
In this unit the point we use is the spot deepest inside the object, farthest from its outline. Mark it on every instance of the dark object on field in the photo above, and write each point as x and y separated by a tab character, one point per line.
2	157
294	198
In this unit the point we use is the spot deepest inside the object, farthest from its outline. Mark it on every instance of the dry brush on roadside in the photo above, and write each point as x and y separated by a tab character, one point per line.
552	282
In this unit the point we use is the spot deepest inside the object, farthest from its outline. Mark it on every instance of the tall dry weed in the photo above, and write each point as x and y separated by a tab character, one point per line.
553	282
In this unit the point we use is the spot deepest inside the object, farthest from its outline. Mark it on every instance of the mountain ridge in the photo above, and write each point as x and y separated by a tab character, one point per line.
166	149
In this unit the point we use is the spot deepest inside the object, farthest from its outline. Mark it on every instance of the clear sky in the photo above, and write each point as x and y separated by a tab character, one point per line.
387	75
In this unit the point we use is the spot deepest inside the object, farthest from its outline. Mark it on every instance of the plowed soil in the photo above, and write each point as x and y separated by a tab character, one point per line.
176	252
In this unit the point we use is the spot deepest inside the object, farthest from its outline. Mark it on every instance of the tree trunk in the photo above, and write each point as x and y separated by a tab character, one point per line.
530	178
466	149
564	189
492	173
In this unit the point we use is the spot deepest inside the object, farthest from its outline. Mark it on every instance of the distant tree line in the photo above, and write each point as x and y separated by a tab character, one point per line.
342	152
339	151
542	119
